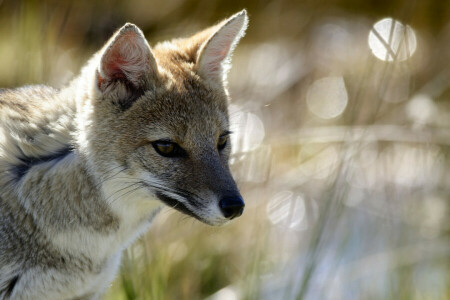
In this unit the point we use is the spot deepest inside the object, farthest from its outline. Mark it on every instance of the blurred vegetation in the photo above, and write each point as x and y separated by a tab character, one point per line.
341	146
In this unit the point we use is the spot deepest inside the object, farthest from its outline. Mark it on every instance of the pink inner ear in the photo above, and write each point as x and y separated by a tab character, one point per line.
213	61
114	66
126	57
218	55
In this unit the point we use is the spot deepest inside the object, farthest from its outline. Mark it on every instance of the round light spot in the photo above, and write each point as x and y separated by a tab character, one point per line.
327	97
421	109
390	40
227	293
248	130
287	209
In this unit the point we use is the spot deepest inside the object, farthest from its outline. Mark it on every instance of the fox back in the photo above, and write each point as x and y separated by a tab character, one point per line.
84	169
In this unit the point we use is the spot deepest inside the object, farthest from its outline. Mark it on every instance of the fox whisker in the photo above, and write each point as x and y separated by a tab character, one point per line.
77	208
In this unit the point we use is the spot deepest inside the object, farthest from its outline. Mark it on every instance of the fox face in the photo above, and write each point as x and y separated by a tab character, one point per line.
156	120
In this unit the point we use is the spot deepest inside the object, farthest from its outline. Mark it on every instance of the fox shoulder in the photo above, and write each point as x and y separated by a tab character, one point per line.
33	123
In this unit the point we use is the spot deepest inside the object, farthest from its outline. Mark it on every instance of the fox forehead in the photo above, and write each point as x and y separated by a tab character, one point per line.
186	111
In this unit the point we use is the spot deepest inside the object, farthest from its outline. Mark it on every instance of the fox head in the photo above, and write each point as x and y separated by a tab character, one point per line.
156	124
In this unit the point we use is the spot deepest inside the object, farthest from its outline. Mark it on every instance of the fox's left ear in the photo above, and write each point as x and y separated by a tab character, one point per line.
214	56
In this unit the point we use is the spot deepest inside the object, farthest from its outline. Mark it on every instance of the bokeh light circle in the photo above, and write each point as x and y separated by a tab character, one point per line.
390	40
327	97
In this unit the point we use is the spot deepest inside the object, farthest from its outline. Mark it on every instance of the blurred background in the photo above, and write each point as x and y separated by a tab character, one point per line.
341	120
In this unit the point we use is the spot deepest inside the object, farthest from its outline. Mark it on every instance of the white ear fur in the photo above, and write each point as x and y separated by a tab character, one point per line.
126	56
214	59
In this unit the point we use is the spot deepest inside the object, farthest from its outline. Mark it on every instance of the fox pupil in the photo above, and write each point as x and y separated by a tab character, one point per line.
222	142
169	149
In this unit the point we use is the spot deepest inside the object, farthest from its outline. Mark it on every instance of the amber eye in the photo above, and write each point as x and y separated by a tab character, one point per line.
222	142
168	149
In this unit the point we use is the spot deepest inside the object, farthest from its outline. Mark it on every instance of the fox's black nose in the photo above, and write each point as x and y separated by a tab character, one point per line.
232	207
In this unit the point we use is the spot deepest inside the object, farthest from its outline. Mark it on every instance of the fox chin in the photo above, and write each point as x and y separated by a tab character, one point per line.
84	169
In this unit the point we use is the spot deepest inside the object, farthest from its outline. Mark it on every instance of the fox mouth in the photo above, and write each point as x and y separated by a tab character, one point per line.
181	207
175	204
164	195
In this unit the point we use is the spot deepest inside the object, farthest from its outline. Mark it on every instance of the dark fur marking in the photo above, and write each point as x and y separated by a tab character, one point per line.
175	204
28	162
134	93
10	287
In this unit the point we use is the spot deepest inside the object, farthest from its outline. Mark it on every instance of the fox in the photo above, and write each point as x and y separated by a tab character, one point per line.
84	169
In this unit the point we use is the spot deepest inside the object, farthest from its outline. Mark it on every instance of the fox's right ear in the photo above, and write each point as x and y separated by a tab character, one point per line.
126	57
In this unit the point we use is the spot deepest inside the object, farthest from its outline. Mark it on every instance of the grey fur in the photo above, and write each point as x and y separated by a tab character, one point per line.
79	179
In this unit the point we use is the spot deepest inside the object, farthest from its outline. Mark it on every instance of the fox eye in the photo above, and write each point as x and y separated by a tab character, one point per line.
169	149
222	142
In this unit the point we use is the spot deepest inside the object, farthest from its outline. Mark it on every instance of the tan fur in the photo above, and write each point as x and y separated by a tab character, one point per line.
80	177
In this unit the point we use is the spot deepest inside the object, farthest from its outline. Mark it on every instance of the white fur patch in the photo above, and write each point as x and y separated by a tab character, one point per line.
132	204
